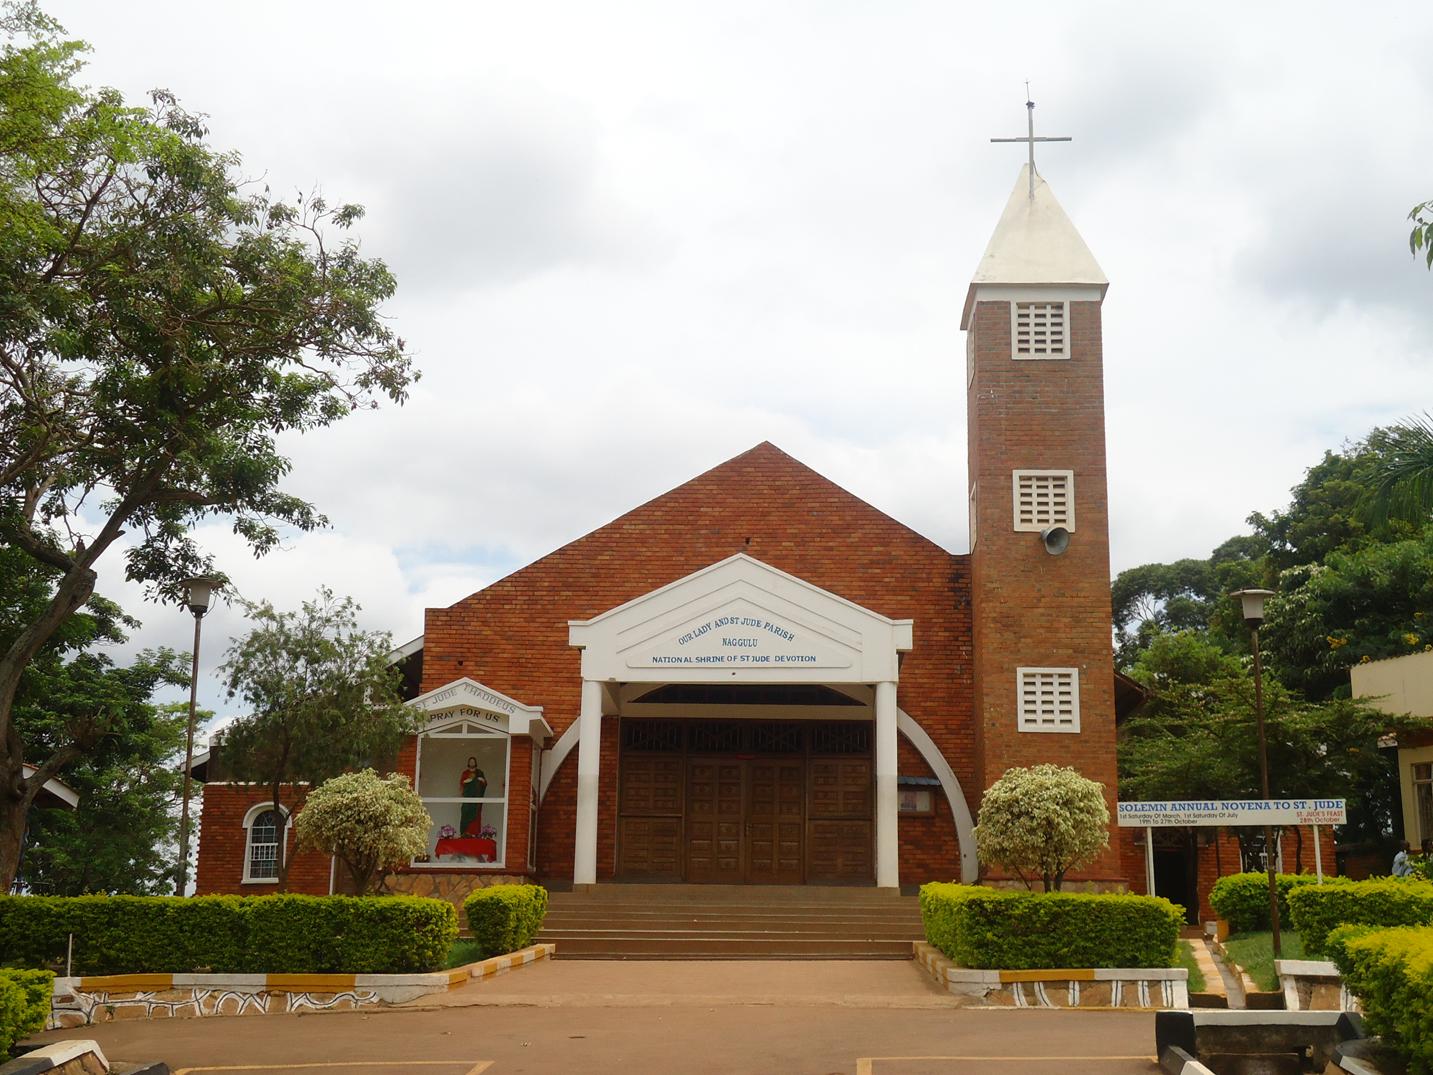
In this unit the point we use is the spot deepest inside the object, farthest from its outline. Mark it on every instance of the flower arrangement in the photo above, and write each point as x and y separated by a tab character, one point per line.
487	832
447	832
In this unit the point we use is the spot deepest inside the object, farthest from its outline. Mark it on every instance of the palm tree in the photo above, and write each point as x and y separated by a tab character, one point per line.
1404	476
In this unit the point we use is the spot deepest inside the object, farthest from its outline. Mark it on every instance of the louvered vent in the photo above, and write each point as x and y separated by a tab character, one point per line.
1049	699
1044	498
1040	330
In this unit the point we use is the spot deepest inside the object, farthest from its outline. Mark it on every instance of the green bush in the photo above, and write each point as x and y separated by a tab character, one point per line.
993	929
228	934
1242	899
1391	972
1317	910
504	918
24	1005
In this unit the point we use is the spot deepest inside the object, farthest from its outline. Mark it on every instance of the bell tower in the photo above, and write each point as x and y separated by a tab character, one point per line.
1039	519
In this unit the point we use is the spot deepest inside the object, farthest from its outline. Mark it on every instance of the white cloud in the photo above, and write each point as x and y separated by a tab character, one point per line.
634	239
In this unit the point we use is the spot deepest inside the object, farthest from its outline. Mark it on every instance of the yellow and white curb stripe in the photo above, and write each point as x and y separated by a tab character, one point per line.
489	968
1129	987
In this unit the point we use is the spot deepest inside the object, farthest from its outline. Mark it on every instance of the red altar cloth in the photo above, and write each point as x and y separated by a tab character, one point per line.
467	846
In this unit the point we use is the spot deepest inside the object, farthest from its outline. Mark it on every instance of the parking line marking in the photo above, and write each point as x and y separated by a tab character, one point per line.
865	1065
477	1069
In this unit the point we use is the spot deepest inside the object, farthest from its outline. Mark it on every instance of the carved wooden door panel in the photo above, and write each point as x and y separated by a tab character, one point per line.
716	794
650	827
839	831
776	822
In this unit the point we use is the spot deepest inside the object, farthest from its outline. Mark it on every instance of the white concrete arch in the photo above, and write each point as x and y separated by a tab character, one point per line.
555	756
964	825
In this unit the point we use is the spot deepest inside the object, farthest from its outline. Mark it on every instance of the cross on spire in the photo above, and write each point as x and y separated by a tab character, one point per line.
1030	138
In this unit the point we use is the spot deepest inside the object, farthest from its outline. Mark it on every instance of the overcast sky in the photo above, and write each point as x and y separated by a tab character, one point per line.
634	240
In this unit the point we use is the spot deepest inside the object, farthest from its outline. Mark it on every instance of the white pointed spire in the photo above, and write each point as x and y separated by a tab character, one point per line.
1034	244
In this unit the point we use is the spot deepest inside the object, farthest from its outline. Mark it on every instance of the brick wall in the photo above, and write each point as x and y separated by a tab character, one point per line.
222	840
1031	608
513	635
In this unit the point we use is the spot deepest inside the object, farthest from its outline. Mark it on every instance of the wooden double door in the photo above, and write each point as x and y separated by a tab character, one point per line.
746	821
738	818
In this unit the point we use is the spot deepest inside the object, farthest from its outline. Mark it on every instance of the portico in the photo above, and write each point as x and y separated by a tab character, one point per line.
742	641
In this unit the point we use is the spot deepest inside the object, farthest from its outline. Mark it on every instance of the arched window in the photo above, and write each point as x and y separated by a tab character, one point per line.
265	830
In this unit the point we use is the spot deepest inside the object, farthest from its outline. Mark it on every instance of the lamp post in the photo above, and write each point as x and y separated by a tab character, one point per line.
199	595
1253	607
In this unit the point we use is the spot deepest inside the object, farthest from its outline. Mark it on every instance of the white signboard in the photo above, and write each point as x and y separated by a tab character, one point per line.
1234	812
742	639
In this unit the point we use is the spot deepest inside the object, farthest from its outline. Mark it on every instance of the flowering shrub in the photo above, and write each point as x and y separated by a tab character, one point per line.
369	823
1042	822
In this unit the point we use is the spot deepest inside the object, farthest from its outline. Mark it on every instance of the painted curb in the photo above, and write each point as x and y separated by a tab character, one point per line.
85	1000
1146	987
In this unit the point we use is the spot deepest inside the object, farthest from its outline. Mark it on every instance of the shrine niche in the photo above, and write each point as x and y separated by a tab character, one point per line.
464	763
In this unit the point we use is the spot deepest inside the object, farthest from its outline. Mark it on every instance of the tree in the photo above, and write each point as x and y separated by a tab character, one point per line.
321	695
1404	477
370	823
1195	737
1187	595
1421	237
96	722
1357	606
1043	821
161	325
122	837
1332	510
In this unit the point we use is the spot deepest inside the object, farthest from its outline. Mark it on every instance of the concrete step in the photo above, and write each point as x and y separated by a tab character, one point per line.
731	922
787	906
721	948
736	893
826	915
811	933
837	929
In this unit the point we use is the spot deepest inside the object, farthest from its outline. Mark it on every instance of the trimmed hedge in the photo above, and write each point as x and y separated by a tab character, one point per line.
1391	972
988	928
1317	910
229	934
24	1005
504	918
1242	899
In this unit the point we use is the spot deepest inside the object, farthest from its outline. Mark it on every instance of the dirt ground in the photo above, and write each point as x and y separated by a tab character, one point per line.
861	1018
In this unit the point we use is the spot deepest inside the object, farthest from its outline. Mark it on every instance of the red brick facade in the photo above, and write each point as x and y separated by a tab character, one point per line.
223	837
1033	609
513	636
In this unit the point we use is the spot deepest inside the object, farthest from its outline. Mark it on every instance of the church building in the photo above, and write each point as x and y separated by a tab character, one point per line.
757	677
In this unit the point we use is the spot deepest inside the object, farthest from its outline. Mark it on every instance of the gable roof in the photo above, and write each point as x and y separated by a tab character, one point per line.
748	497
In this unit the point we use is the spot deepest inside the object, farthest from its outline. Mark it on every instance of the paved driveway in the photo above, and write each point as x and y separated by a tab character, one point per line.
881	1018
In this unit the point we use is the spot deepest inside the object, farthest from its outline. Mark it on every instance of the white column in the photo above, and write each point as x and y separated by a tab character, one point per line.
888	859
589	747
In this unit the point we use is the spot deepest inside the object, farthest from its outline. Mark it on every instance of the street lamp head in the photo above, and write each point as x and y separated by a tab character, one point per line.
199	593
1253	603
